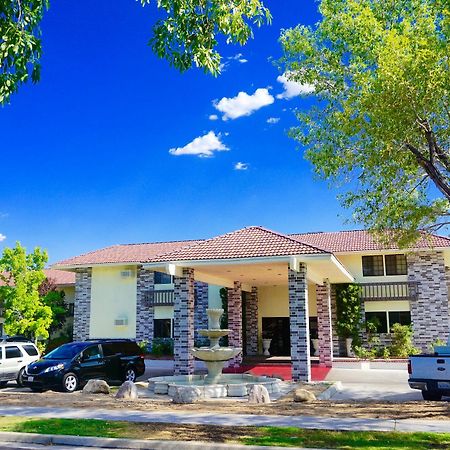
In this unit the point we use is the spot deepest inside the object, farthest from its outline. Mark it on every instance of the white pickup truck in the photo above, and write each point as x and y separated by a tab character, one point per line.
431	373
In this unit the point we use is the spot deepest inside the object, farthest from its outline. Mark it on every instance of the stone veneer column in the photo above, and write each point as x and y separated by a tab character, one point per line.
336	340
429	311
323	295
251	322
235	321
82	306
145	313
299	324
200	307
183	334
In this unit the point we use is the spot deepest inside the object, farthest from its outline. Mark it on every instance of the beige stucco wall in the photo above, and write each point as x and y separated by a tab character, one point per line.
112	297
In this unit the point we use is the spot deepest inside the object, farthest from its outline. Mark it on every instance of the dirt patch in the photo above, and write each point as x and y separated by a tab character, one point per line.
284	406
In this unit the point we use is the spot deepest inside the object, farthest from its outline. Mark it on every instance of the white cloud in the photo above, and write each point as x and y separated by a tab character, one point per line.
273	120
292	88
243	60
229	59
243	104
2	237
241	166
203	146
213	117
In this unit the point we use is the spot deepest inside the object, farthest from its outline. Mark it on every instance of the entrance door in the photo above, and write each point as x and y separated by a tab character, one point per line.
277	328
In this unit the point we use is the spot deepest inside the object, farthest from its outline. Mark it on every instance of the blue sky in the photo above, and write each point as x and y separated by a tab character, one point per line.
85	152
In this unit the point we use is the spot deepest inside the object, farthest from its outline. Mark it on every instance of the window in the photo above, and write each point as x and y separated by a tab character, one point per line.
13	352
163	278
395	264
162	328
373	266
71	308
401	317
379	319
30	349
91	353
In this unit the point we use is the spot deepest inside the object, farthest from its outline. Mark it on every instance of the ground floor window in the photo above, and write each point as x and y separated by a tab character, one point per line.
385	319
162	328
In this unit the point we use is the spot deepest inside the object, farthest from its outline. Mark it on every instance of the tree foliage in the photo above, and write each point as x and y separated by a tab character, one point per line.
22	274
348	309
187	36
380	128
55	299
20	43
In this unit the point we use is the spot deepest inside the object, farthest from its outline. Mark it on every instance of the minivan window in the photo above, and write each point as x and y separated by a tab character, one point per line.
30	349
66	351
91	353
13	352
110	349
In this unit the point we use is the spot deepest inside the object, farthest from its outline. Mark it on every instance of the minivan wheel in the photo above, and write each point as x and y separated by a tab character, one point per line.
19	379
130	374
70	382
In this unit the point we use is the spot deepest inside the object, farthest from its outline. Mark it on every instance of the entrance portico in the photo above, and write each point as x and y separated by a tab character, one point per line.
250	260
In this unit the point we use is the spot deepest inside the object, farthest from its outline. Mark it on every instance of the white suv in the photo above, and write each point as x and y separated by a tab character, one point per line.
14	357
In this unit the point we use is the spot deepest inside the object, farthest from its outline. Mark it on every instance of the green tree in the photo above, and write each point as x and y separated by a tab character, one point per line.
380	129
22	275
186	36
55	299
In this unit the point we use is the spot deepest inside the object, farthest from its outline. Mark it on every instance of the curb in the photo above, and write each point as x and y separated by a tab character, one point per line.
125	444
331	391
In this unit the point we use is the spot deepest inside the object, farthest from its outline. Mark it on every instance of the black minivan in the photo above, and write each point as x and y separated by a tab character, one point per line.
70	366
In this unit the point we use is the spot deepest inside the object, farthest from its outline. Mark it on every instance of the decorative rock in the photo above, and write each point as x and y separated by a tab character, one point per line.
258	394
186	394
302	395
127	391
96	387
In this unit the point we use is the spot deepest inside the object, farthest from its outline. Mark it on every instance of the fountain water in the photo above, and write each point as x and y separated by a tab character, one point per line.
214	384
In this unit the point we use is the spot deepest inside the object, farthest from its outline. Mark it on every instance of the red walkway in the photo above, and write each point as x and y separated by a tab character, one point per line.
283	371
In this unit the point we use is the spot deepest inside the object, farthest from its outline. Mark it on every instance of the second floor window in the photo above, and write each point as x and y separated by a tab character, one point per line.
379	265
163	278
373	266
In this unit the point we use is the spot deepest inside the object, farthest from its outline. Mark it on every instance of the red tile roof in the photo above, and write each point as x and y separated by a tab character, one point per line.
59	277
362	240
250	242
128	253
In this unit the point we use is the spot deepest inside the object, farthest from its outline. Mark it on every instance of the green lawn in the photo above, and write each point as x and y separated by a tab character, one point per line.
271	436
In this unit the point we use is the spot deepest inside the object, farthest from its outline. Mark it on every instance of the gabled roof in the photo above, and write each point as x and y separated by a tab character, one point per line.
249	242
128	253
363	240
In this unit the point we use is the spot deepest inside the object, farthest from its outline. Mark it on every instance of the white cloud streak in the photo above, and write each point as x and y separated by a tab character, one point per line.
2	237
213	117
273	120
243	104
202	146
241	166
292	88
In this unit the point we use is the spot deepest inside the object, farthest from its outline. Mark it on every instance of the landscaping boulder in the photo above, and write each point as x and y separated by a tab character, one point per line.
96	387
186	394
302	395
127	391
258	394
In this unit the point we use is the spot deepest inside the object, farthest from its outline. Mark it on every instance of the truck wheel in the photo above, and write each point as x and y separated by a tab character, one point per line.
430	395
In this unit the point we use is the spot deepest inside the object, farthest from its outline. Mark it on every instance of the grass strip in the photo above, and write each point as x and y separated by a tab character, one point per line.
269	436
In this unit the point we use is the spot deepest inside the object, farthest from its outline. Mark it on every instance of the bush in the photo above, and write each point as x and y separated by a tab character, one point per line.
437	343
143	345
162	347
348	304
401	345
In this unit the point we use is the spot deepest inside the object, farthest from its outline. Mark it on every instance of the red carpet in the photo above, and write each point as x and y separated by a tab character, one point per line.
283	371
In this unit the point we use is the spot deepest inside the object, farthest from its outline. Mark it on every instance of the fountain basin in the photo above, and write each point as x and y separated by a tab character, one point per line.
228	385
215	353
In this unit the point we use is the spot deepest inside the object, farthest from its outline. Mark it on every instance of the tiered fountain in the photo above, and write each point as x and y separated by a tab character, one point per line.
214	384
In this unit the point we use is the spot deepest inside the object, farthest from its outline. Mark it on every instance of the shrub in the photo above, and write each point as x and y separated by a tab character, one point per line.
401	345
348	304
143	345
162	347
438	342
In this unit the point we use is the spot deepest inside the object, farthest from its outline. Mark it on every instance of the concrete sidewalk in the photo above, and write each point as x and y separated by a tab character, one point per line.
323	423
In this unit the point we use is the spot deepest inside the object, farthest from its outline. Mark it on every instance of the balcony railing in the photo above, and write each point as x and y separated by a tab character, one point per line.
159	298
395	290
